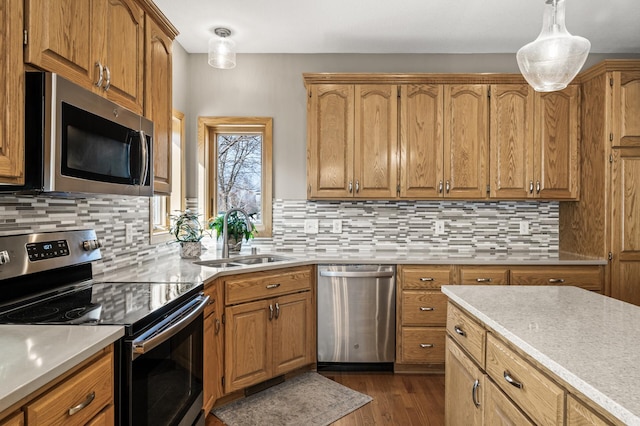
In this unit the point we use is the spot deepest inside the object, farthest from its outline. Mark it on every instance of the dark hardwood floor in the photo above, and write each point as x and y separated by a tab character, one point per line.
398	399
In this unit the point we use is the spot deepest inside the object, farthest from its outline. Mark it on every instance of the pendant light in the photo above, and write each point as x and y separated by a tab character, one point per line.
552	60
222	50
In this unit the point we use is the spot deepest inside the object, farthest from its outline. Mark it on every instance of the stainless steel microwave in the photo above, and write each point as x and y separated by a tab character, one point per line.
78	143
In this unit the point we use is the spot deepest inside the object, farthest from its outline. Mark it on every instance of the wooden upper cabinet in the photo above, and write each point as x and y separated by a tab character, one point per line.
626	108
376	141
157	102
11	93
97	44
421	141
466	141
330	122
556	137
511	141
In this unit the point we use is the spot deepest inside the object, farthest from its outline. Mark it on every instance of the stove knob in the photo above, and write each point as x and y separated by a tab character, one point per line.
4	257
99	243
94	244
86	245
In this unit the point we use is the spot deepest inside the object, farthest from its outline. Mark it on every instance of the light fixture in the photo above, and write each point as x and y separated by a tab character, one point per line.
552	60
222	50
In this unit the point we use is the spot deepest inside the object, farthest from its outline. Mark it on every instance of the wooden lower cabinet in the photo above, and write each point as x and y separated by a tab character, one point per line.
213	369
579	414
500	410
267	338
464	388
105	418
589	277
16	419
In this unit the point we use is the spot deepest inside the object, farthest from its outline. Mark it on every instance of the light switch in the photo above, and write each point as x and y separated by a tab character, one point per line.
311	226
524	228
439	227
128	233
337	226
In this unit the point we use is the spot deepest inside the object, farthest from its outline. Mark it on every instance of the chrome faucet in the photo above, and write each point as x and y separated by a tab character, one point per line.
225	231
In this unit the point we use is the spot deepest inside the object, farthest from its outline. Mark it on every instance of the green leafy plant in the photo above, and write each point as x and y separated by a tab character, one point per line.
186	227
236	226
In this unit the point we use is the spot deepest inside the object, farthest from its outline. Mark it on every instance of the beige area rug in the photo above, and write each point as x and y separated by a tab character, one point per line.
308	399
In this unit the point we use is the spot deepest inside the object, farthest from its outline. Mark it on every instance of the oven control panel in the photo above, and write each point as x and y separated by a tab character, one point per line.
47	250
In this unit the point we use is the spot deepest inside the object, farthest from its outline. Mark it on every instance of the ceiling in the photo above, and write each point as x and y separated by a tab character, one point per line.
401	26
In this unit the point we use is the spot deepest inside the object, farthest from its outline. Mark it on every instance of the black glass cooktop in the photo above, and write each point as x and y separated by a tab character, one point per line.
133	305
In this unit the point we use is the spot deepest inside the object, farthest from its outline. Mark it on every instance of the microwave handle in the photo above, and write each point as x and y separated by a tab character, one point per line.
144	158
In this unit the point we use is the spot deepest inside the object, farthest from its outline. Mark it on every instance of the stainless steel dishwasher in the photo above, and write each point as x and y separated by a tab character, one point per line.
356	317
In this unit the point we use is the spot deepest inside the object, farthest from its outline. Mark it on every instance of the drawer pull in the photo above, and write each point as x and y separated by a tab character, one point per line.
83	404
424	309
459	331
270	286
426	279
483	280
556	280
474	393
512	382
270	312
426	345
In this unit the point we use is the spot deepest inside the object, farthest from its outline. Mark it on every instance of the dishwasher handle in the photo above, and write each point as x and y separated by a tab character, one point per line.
357	274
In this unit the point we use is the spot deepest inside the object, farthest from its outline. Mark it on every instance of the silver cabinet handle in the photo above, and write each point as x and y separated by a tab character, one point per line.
270	312
510	380
474	393
108	83
483	280
357	186
556	280
425	279
426	345
360	274
270	286
458	330
448	186
350	187
277	310
100	74
538	186
440	187
83	404
530	187
424	309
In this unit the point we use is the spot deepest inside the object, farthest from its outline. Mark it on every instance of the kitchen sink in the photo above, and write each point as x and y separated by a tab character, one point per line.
242	261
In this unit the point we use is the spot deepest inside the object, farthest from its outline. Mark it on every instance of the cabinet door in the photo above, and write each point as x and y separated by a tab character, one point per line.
104	418
625	284
511	142
579	414
626	109
157	102
464	388
213	346
124	52
330	116
556	137
11	93
63	38
293	332
15	420
248	346
421	141
466	141
500	411
376	141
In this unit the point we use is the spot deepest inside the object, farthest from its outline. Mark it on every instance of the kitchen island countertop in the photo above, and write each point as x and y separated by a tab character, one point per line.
34	355
589	341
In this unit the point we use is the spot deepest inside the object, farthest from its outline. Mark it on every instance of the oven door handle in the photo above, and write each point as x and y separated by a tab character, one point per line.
169	327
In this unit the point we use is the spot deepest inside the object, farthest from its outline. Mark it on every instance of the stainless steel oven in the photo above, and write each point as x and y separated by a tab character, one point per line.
46	278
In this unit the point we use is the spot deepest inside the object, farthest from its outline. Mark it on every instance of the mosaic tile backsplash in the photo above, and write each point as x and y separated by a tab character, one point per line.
366	225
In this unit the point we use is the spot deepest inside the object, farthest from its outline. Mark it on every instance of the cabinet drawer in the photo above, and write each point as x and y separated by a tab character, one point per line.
579	414
587	277
499	410
423	345
531	390
424	308
91	386
15	420
425	277
484	275
260	285
105	418
468	333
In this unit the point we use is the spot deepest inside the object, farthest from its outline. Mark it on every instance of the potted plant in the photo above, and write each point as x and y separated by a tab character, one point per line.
188	231
236	229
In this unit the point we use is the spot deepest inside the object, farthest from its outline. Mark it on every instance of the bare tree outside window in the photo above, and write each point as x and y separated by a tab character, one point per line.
240	173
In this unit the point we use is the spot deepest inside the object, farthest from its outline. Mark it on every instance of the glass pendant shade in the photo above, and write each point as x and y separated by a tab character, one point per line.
222	50
552	60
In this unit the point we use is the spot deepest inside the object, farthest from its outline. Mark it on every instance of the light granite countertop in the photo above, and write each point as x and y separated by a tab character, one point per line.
33	355
174	269
592	342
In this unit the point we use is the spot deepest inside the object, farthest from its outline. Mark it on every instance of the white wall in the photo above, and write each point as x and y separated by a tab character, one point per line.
271	85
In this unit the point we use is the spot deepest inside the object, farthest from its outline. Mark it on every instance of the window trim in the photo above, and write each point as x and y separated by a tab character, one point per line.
207	128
